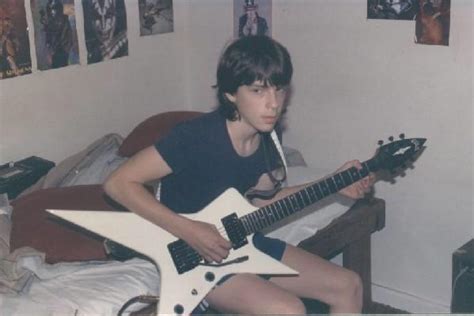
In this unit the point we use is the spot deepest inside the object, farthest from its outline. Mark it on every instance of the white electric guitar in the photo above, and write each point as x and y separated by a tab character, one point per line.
185	277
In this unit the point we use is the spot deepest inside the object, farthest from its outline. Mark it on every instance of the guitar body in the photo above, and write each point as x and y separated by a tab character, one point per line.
187	289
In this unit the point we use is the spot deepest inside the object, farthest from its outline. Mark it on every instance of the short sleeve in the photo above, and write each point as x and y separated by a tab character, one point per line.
177	147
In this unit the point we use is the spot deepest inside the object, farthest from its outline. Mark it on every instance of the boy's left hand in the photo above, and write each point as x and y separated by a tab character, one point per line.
358	189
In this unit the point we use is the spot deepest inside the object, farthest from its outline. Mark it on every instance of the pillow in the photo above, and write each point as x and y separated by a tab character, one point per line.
152	129
60	241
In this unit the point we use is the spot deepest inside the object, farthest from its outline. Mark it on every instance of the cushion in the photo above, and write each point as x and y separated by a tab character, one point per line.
152	129
60	241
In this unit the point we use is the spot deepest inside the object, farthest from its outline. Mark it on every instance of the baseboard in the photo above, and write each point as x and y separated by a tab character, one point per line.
406	301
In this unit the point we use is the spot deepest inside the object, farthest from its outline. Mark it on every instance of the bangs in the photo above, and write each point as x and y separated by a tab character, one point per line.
272	69
255	58
269	75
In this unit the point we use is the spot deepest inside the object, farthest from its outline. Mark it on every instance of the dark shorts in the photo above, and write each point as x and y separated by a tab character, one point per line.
271	246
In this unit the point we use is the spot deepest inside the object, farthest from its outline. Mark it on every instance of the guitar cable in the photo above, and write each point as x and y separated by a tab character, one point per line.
226	263
147	299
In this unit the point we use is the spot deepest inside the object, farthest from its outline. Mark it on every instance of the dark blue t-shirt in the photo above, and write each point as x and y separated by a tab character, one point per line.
205	164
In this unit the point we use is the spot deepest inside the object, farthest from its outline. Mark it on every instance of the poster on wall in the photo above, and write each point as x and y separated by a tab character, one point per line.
156	16
15	58
392	10
432	23
105	29
252	17
55	33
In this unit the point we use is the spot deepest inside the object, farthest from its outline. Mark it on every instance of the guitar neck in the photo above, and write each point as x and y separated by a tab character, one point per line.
281	209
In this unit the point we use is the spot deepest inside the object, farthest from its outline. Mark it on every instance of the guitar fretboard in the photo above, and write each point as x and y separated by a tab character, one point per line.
277	211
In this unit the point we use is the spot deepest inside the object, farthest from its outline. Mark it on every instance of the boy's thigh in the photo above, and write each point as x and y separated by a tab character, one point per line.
318	278
248	293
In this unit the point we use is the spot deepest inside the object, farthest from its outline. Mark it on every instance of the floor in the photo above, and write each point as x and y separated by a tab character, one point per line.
313	307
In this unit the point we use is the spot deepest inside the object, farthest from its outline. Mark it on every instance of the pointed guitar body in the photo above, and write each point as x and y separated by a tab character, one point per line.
180	293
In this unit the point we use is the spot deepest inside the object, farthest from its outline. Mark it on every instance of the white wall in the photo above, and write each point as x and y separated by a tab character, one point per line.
53	112
360	81
356	81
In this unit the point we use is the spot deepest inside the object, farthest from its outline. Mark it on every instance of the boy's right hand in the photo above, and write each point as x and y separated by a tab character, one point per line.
207	241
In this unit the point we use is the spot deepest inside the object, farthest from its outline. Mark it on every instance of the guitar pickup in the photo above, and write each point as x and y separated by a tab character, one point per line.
184	257
235	230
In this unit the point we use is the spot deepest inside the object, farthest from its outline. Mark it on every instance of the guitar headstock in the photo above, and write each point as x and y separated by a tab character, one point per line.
397	153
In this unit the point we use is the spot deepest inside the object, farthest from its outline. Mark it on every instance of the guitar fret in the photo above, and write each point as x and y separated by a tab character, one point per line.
284	207
331	185
324	188
253	222
346	176
247	227
292	200
311	194
260	218
306	197
265	217
280	209
354	174
277	212
257	220
339	181
273	214
316	192
364	172
303	203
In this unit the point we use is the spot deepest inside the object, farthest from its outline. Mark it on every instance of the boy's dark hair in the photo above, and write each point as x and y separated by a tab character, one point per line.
247	60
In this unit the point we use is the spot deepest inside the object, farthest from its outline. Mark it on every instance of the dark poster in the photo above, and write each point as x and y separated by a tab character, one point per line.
55	33
105	29
392	10
15	58
156	16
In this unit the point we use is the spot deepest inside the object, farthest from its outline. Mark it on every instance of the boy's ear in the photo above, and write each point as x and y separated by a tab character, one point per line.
230	97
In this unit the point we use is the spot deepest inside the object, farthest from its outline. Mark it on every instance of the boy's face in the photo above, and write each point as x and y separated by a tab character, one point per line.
259	105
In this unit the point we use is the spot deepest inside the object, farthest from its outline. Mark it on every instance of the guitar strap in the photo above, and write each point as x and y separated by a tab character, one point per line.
275	140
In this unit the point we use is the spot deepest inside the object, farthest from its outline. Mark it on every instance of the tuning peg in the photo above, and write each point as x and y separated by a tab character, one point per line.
402	136
390	138
380	142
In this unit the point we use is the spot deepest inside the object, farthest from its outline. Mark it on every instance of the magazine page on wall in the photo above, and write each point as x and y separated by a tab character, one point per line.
55	33
105	29
15	57
252	17
156	16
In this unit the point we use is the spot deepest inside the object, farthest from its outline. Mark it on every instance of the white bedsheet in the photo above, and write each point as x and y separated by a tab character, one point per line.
101	288
82	288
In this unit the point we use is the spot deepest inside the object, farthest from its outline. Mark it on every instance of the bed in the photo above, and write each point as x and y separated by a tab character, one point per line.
51	267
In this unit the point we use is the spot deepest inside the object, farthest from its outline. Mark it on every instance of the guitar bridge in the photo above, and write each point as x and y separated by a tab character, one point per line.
235	230
184	257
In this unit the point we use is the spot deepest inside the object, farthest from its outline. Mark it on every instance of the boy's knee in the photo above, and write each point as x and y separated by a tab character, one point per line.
291	306
351	286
